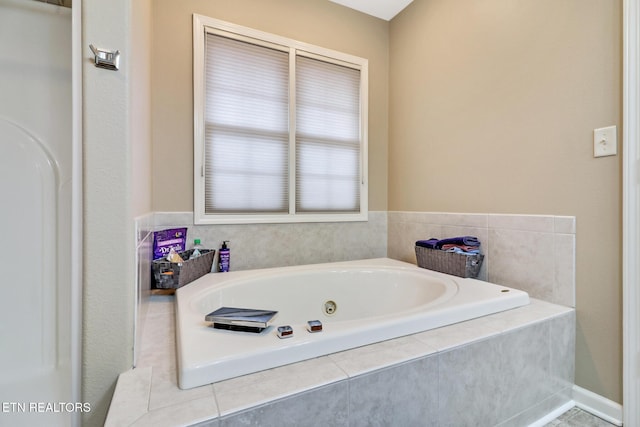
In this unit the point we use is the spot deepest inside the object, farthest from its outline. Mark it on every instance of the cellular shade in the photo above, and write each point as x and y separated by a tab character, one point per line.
246	127
327	136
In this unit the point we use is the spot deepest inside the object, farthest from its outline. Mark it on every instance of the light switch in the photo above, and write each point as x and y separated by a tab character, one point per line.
605	142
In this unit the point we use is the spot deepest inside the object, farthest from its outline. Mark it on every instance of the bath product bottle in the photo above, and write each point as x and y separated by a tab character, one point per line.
224	257
197	248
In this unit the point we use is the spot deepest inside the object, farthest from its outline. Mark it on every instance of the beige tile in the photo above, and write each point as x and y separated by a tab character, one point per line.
523	260
565	224
548	309
540	223
564	246
402	237
458	334
368	358
158	348
537	311
165	390
181	414
130	398
407	216
250	390
459	219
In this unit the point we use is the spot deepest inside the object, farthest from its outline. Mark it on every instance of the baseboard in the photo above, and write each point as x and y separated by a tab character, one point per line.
597	405
553	414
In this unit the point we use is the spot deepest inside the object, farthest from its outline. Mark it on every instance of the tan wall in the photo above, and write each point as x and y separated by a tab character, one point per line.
492	108
140	101
318	22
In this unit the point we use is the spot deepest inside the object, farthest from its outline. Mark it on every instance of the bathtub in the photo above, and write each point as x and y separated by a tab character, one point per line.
358	303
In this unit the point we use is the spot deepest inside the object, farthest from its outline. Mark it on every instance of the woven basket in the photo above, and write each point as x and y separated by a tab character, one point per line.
172	275
449	262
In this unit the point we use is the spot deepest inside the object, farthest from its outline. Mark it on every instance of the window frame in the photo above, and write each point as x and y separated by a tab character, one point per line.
203	25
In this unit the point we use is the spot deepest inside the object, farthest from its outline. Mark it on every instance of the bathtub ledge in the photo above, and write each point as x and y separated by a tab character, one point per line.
149	395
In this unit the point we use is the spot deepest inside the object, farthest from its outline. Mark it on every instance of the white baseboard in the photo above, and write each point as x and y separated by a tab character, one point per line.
553	414
597	405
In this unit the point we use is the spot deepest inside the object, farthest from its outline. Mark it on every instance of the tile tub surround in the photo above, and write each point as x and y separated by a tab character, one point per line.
144	255
260	246
508	369
277	245
534	253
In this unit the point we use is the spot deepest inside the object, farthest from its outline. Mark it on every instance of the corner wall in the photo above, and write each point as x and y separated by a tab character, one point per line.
116	144
492	109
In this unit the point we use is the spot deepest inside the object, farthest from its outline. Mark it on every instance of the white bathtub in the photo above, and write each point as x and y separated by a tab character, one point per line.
376	300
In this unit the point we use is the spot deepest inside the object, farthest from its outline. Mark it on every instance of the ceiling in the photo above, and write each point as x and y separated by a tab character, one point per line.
383	9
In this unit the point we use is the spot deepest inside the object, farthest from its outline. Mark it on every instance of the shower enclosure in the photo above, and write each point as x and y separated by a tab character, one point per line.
38	360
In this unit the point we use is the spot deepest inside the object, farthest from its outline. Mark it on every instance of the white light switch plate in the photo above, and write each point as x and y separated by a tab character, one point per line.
605	142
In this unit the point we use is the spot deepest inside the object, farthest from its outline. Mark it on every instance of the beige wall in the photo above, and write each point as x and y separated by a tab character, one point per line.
492	107
140	101
318	22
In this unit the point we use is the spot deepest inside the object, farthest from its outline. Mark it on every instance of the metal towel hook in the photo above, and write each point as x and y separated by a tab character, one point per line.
105	58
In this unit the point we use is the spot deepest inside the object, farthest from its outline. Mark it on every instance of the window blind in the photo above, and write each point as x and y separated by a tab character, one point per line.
246	127
278	129
327	137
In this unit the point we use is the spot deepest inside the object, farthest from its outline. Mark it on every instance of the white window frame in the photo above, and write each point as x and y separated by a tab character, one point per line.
201	26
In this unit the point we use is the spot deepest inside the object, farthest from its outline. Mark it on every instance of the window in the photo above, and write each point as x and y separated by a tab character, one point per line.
279	129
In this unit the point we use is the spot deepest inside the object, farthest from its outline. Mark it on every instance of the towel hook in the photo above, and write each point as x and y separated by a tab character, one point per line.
105	58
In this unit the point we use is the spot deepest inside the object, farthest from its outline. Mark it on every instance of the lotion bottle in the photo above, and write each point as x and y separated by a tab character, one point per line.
224	257
197	249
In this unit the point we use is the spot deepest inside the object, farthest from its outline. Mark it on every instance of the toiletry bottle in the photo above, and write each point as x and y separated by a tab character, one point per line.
197	249
224	257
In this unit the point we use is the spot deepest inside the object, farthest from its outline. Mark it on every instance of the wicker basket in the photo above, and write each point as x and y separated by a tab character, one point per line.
172	275
449	262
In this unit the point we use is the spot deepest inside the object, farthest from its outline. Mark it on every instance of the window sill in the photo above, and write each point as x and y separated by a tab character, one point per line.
201	219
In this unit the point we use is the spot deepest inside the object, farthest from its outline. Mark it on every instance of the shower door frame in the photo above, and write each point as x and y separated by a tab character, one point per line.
631	213
76	209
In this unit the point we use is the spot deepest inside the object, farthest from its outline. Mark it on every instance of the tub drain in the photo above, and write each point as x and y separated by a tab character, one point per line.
330	308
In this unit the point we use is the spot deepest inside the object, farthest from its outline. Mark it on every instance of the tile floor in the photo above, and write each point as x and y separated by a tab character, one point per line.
578	418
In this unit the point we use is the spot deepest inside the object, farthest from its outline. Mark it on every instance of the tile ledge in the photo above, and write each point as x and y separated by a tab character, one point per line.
130	399
541	310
